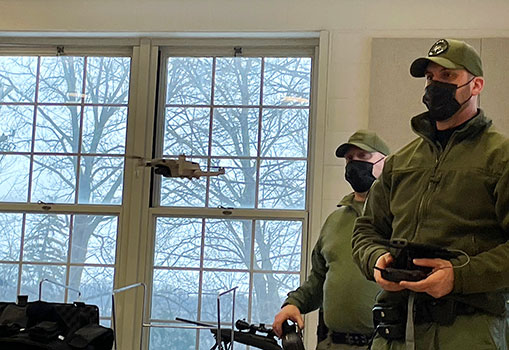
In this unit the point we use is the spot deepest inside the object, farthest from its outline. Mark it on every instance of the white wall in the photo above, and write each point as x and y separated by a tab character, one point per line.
255	15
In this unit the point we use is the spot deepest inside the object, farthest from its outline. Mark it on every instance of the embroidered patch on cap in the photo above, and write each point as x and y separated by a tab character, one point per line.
438	48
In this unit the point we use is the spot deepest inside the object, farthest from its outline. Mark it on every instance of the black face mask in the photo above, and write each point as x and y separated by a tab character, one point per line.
440	98
360	175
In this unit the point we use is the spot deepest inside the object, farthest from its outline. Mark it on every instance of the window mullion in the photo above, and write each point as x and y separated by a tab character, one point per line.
135	234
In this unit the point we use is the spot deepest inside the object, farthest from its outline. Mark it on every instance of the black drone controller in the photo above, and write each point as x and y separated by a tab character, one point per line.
398	275
403	252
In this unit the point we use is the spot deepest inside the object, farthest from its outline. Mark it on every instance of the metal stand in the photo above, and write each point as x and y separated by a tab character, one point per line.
218	339
58	284
197	325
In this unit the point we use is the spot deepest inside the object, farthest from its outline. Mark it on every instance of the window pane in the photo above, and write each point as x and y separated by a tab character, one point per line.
14	178
179	192
94	239
285	133
287	81
237	81
10	237
16	128
236	188
189	81
61	79
107	80
218	282
180	339
186	131
235	132
228	244
46	238
8	282
282	184
101	180
17	79
175	294
31	275
54	179
95	285
278	245
178	242
104	129
57	129
270	290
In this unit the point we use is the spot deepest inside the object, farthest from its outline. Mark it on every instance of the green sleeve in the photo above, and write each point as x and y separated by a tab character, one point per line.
489	270
308	297
375	223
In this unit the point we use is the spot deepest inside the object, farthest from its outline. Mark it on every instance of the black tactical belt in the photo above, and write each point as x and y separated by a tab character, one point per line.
443	313
350	338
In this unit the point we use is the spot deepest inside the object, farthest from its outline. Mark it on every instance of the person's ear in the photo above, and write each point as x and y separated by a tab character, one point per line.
478	85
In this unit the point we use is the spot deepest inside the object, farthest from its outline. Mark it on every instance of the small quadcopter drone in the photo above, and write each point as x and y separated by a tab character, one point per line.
181	168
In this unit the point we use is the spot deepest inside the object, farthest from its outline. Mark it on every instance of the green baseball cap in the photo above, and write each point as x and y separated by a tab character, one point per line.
449	53
366	140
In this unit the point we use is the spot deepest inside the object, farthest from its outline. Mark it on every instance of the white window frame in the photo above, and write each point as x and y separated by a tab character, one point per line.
135	241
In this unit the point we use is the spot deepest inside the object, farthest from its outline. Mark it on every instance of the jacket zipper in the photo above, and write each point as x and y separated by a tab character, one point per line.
424	195
433	182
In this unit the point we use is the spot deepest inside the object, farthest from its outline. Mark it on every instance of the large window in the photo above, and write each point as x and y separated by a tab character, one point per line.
62	142
251	116
80	207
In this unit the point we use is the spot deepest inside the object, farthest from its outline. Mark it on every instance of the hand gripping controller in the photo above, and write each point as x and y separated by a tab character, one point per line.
403	252
292	337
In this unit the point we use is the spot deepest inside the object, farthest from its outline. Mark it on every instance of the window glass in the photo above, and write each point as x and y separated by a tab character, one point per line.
250	116
60	79
63	124
197	259
16	128
258	144
74	250
18	78
286	81
189	81
237	81
235	132
56	114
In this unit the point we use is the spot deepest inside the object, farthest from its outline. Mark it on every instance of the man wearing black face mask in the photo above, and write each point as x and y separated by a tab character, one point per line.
335	284
448	188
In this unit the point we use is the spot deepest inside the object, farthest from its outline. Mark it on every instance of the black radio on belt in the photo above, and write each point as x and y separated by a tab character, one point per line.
389	321
403	252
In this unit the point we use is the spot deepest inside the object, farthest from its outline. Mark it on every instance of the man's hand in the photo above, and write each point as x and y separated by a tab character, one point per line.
383	262
289	312
439	283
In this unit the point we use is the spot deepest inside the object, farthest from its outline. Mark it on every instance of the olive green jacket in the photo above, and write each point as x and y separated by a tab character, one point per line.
457	197
335	282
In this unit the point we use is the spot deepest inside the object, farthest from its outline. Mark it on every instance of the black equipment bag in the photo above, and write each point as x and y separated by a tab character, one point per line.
42	325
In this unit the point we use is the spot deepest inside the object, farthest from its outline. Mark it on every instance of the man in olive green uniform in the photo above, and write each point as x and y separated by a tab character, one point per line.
448	188
335	284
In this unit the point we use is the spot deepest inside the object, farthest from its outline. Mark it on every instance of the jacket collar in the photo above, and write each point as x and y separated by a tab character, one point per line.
423	127
348	201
